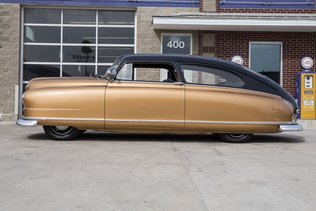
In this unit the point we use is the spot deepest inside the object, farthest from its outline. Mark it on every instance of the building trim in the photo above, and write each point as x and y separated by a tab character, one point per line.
236	23
110	3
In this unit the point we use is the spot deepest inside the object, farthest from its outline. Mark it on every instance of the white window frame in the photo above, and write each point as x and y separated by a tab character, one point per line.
281	56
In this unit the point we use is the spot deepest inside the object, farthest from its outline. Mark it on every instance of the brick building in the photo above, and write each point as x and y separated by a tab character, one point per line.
78	38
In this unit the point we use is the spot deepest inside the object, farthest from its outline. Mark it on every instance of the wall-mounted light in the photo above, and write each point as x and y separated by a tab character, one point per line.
238	60
307	63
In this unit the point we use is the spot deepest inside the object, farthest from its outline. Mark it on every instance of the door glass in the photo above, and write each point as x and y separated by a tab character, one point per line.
84	35
78	70
125	73
39	70
266	59
116	35
147	72
210	76
39	15
83	17
42	34
81	54
116	17
39	53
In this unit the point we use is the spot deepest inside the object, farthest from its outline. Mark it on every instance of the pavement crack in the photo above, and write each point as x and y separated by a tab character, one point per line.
189	175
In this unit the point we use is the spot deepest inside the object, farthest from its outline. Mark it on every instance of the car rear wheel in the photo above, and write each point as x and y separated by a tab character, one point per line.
235	138
61	132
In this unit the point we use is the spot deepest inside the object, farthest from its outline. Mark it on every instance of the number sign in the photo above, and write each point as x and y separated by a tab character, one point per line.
178	44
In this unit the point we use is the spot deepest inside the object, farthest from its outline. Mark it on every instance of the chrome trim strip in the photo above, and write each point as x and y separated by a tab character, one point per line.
238	123
292	127
23	122
199	122
64	119
145	121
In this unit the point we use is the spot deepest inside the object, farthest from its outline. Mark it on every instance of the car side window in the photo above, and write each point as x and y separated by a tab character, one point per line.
147	72
126	72
204	75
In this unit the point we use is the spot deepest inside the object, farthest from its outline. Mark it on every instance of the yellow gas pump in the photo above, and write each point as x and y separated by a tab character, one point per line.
306	90
308	95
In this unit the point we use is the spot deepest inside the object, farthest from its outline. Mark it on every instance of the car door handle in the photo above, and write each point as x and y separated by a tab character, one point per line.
178	83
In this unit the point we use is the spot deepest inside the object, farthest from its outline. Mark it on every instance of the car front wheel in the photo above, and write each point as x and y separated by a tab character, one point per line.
235	138
62	132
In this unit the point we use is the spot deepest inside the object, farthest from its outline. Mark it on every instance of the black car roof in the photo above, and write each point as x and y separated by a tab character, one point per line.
175	58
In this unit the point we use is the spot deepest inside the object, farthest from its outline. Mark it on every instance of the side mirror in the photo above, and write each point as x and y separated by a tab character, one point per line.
109	75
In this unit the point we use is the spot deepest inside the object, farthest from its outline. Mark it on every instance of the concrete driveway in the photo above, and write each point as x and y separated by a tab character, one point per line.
156	172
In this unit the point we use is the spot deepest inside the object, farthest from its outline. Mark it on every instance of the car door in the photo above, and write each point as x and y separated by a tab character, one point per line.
140	100
216	102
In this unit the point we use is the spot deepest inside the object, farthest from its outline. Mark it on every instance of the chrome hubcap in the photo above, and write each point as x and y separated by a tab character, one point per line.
62	127
61	130
237	136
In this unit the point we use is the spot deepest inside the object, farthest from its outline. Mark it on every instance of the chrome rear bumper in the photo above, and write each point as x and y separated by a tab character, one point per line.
291	127
24	122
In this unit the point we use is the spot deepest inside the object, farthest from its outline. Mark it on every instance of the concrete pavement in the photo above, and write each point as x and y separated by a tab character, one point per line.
155	172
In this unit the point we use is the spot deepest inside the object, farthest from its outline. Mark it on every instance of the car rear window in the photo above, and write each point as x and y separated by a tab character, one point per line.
196	74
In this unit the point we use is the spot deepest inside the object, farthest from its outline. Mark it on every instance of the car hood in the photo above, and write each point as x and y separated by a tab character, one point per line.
65	82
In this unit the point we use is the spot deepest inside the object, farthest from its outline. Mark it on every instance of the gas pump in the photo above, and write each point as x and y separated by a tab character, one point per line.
306	90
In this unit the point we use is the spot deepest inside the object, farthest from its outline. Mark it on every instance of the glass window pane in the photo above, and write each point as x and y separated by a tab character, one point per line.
79	35
150	74
109	54
78	70
82	54
210	76
37	15
31	71
116	17
80	17
42	34
126	72
102	69
116	35
266	59
41	53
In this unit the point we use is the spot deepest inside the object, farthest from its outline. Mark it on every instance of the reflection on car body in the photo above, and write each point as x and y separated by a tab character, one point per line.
162	93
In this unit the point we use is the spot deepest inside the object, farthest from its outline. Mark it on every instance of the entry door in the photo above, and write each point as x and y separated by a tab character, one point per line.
139	101
266	58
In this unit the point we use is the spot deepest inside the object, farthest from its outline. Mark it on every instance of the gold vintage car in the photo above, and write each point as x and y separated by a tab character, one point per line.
162	94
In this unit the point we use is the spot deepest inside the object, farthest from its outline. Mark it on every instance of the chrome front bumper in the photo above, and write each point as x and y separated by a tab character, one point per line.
24	122
291	127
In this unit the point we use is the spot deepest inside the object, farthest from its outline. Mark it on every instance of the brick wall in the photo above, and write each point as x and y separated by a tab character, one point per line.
9	58
296	45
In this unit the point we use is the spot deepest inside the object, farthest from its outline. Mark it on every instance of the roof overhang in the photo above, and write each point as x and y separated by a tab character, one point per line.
237	22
